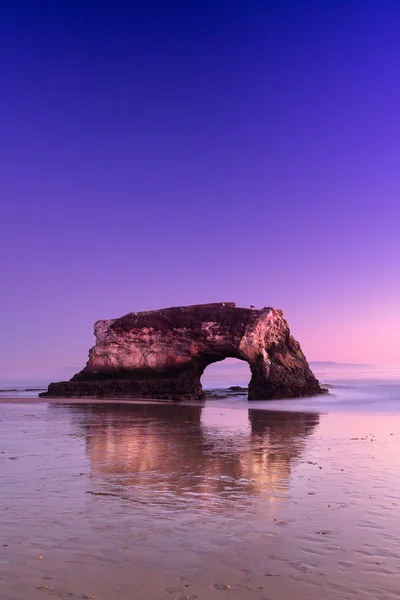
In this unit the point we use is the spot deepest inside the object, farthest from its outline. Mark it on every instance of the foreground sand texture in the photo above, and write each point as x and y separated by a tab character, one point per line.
162	354
162	502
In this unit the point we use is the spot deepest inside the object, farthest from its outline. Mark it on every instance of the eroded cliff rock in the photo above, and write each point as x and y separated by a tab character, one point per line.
163	353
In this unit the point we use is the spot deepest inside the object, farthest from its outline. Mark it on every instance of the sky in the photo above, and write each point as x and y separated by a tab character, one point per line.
160	153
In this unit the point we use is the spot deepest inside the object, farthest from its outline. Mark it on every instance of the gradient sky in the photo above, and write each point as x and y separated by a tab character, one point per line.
159	153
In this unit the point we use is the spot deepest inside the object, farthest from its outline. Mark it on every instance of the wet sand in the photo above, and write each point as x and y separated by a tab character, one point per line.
154	501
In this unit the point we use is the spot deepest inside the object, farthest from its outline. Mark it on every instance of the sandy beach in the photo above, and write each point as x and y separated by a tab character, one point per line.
153	501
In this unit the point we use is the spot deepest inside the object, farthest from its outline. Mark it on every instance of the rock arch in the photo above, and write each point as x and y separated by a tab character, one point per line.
162	354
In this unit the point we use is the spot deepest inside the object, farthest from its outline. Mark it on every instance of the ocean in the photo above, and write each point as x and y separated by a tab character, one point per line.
351	388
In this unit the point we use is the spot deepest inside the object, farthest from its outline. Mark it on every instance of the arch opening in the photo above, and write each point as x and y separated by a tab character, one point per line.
228	375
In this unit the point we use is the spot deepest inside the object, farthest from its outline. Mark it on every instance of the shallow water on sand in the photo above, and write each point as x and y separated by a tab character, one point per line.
155	501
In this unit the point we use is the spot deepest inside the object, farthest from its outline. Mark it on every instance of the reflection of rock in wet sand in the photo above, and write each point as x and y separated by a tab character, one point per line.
277	438
139	438
162	451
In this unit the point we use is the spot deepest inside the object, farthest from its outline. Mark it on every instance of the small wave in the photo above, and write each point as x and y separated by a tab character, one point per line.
337	385
8	390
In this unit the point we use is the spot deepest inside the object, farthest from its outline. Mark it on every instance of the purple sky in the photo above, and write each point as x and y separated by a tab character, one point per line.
174	153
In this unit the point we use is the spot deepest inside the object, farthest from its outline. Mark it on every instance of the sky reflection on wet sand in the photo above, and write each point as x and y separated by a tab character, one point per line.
121	500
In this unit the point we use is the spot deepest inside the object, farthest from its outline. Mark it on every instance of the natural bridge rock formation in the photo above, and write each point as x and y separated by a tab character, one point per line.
163	353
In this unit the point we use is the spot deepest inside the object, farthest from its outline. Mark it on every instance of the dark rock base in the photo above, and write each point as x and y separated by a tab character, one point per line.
164	389
123	388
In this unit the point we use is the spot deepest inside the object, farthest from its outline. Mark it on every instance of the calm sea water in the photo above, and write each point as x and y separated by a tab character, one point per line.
374	390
